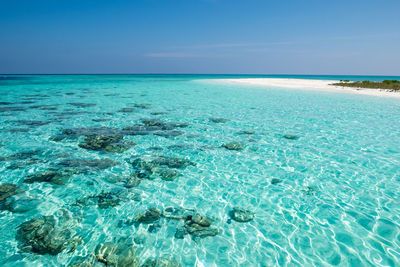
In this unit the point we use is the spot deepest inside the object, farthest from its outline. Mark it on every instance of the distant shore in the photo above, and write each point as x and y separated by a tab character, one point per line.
307	84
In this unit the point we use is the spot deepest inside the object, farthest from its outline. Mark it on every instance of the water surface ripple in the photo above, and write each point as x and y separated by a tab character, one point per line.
318	173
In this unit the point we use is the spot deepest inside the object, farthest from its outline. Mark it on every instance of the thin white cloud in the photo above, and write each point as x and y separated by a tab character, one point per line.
172	55
230	45
218	49
229	49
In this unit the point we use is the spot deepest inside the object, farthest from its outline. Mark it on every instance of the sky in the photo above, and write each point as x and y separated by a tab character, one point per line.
200	36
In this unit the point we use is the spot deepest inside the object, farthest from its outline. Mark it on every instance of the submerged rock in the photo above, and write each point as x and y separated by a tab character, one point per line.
82	105
177	213
200	231
32	123
126	110
201	220
172	162
37	96
107	200
22	164
180	233
155	122
181	147
163	125
132	181
20	203
276	181
92	131
290	136
57	137
168	174
178	124
233	146
247	132
149	216
161	262
101	119
19	130
63	154
116	254
87	165
24	155
138	130
218	120
42	235
144	169
103	200
112	94
167	134
198	226
158	113
107	144
53	176
9	190
142	106
153	228
309	190
43	107
155	148
241	215
154	126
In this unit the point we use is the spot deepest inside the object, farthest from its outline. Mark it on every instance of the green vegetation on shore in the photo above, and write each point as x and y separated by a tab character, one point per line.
390	85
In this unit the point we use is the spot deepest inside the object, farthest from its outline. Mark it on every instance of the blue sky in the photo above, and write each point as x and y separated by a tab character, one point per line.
200	36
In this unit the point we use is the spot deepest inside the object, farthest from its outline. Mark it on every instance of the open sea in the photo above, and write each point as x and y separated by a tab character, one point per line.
175	170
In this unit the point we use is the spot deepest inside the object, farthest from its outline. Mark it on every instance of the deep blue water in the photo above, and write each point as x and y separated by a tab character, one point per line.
317	173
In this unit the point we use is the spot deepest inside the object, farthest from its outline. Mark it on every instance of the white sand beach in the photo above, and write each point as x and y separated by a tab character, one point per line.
306	84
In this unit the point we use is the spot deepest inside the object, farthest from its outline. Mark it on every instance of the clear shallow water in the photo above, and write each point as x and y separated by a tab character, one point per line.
336	202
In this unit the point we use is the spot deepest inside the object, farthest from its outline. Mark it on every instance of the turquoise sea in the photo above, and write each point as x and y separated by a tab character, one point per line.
175	170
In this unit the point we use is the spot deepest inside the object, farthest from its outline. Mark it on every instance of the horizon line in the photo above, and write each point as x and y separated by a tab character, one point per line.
377	75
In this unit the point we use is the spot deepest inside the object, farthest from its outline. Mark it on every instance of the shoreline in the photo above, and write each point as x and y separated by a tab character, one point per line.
306	84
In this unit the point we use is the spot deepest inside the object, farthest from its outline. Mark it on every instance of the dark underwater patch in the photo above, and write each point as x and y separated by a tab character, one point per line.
12	109
32	123
14	78
82	105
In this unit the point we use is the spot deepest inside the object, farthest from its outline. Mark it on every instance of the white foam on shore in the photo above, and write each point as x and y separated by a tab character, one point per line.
306	84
